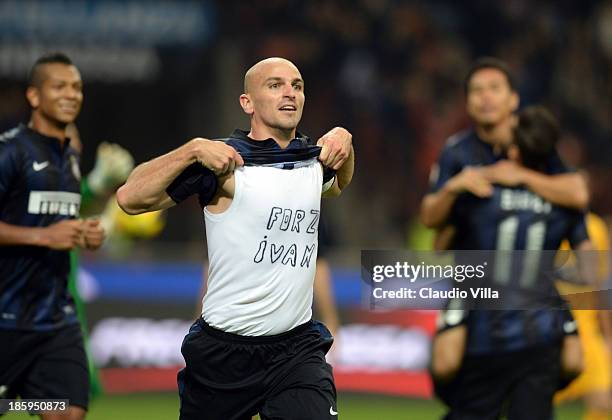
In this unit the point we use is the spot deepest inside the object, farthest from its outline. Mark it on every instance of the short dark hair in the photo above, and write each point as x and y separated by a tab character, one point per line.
488	63
536	135
35	77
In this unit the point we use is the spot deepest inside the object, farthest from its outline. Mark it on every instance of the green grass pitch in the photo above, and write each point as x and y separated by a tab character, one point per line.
164	406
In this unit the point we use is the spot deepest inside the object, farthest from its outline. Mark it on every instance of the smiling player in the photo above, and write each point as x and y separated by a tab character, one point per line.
42	354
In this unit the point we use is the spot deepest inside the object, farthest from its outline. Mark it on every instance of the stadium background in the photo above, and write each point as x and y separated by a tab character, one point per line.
159	72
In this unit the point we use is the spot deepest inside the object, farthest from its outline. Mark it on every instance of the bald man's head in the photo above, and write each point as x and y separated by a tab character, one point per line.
273	95
260	69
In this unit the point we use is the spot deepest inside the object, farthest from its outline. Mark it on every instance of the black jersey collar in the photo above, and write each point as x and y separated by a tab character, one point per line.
298	142
488	148
268	151
51	141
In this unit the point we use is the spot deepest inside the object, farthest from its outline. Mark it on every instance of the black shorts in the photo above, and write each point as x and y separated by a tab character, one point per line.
523	382
233	377
44	364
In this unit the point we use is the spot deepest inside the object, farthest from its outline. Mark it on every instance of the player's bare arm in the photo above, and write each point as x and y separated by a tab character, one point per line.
63	235
324	296
337	153
145	189
436	207
566	190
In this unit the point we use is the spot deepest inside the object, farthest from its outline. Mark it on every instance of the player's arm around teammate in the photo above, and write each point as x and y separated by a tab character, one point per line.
566	190
491	102
436	207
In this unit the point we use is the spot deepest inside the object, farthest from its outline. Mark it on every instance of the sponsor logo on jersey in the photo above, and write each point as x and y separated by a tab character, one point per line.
39	166
54	202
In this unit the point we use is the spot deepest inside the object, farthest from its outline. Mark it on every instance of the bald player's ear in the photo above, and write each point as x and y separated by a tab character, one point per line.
33	96
246	104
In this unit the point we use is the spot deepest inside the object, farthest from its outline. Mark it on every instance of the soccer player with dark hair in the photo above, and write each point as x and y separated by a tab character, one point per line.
42	355
491	100
255	347
513	356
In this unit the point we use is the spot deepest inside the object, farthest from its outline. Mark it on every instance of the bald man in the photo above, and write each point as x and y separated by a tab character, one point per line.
255	349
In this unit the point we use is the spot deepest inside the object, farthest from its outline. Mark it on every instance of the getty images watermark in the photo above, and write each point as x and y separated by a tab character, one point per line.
484	279
425	273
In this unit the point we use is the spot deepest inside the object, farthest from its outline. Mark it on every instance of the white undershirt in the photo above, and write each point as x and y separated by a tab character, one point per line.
262	251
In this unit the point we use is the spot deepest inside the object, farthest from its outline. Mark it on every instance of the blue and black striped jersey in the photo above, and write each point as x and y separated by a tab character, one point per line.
196	179
39	186
467	149
515	219
512	219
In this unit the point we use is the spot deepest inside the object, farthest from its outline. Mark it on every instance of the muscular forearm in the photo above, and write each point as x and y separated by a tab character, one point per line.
344	175
436	207
145	188
566	190
20	235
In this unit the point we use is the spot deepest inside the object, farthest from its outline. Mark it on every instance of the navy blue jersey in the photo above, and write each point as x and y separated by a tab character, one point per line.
511	219
196	179
467	149
39	186
517	219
